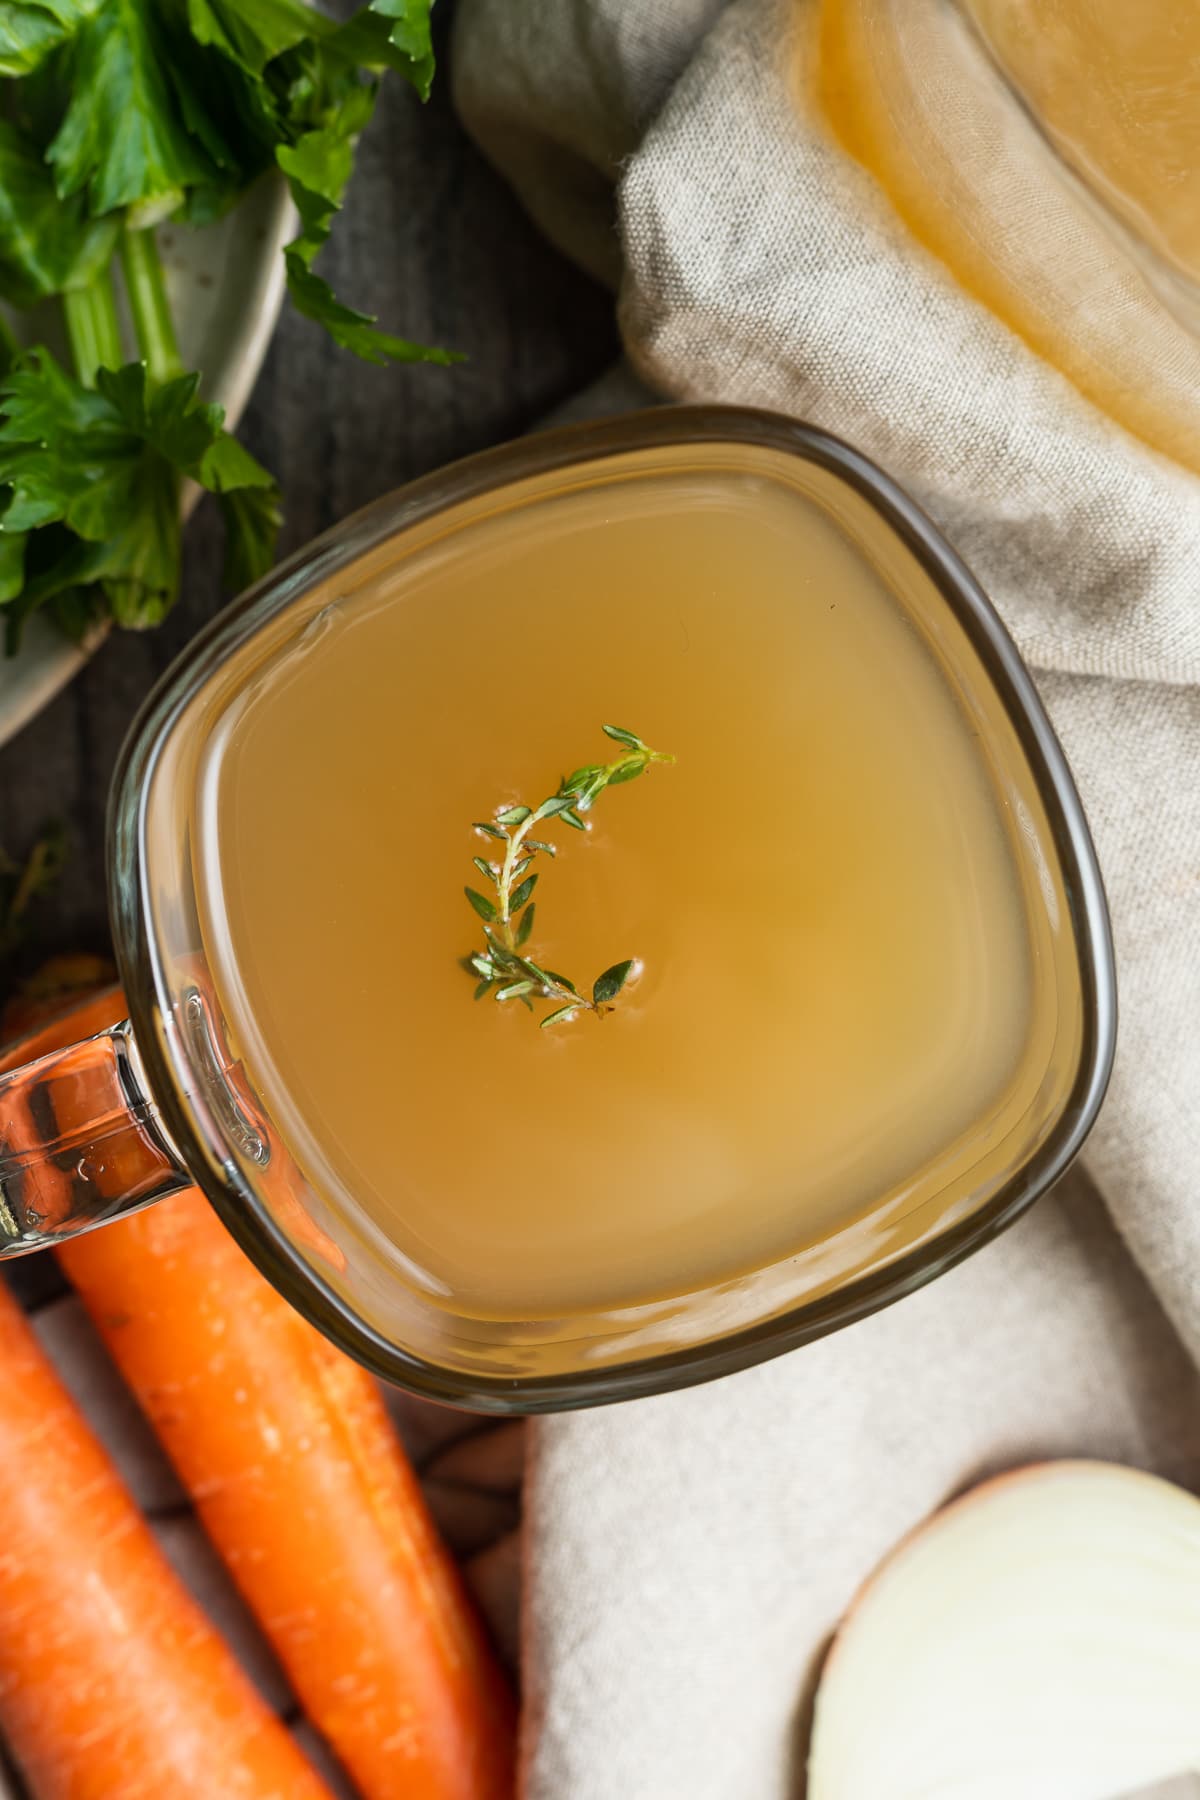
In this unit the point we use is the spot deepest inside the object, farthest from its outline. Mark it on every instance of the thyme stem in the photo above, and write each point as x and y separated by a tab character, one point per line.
502	967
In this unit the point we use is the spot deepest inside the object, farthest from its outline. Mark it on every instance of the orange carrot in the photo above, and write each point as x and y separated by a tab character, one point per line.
285	1447
300	1481
113	1684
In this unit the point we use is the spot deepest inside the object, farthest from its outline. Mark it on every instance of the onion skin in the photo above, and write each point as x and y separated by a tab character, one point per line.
1038	1639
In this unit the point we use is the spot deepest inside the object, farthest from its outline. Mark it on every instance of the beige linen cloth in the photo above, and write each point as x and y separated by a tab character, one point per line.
687	1557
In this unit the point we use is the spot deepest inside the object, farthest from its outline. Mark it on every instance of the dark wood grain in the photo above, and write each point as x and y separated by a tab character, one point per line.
432	242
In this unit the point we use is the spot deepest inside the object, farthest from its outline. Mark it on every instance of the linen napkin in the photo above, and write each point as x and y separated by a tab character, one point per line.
688	1556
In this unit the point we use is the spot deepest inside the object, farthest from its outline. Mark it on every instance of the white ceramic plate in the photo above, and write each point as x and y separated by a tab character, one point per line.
226	285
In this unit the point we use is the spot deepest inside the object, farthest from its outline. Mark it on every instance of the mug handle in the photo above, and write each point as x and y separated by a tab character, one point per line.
81	1140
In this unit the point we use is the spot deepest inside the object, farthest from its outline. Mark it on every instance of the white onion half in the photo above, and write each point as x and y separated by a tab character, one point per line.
1037	1640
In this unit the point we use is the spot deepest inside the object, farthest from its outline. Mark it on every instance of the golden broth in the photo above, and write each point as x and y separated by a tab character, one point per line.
822	893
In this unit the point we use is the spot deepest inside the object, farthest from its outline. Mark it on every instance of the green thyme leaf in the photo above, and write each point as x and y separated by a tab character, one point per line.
481	903
489	831
606	987
521	895
515	989
622	736
562	1014
526	925
484	987
627	772
513	815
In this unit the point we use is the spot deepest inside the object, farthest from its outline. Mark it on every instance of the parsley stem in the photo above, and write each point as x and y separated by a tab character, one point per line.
92	329
148	303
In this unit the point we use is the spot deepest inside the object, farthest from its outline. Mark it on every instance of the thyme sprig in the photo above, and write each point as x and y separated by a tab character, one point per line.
502	967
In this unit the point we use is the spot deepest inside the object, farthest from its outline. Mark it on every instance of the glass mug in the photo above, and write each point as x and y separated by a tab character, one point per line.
1048	153
160	1102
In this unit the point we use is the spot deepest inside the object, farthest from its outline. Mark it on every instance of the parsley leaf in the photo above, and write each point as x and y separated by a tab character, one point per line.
253	33
118	114
101	468
30	32
318	166
252	520
308	110
46	244
122	138
354	331
409	31
319	163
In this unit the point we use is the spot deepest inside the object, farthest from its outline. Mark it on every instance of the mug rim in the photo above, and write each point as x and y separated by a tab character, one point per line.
244	1213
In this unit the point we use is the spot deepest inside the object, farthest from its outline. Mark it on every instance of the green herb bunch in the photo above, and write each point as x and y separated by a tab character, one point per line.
503	967
116	115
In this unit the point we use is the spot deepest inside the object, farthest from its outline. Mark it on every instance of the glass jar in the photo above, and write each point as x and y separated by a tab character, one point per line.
1048	153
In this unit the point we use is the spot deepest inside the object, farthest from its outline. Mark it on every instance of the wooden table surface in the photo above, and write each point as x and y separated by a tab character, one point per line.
432	242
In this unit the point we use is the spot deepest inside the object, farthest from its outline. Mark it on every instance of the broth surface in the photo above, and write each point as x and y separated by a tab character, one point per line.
821	893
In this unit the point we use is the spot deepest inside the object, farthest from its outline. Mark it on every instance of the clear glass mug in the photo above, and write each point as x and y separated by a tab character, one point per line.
157	1102
1048	153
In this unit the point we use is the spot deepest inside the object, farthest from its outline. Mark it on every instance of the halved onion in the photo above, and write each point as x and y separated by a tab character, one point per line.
1039	1639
